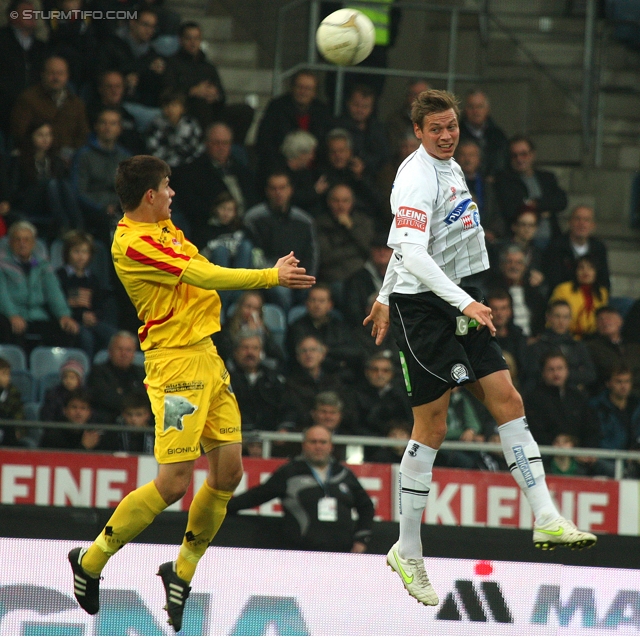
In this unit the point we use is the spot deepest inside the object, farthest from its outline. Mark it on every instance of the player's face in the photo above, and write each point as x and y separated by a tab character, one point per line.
317	446
559	319
161	200
555	372
439	134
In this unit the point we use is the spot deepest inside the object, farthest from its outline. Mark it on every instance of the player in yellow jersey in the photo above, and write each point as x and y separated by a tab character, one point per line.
174	291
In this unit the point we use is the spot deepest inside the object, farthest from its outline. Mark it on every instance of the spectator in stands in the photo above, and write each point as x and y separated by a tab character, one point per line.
251	444
110	382
561	257
85	296
209	175
585	294
136	412
492	460
359	287
344	237
557	337
527	302
477	124
618	413
299	151
318	516
22	56
609	349
93	171
277	226
469	157
367	133
523	185
319	321
7	215
52	101
71	379
330	411
565	465
33	309
131	52
174	136
111	88
391	455
523	232
509	336
298	109
11	408
42	192
399	120
553	407
260	390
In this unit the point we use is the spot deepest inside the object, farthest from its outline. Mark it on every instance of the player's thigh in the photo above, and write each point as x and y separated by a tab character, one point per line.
499	396
430	421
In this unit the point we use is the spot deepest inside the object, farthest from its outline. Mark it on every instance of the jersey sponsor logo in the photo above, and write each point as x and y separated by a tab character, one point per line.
175	408
413	218
468	211
179	450
225	430
195	385
459	373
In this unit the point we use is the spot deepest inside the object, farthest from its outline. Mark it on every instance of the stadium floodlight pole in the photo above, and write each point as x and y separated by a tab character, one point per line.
453	48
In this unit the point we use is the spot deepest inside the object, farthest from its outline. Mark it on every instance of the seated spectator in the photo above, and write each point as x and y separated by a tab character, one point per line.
476	124
368	280
522	185
399	120
528	304
136	412
71	379
111	90
7	215
11	408
94	168
557	337
344	237
174	136
297	109
329	411
247	316
189	72
33	310
85	296
260	391
553	407
565	465
110	382
391	455
52	101
560	258
252	445
523	231
509	335
277	228
131	52
299	151
318	321
202	181
492	460
609	349
618	413
585	295
367	133
42	193
367	343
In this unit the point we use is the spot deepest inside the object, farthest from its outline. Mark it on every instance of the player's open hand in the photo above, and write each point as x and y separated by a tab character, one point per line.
292	276
482	314
380	317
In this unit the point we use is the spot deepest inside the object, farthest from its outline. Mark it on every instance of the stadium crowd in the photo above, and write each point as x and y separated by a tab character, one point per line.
98	92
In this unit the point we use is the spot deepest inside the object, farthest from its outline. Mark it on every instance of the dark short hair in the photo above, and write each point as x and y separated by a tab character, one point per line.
620	369
607	309
500	294
433	101
364	90
170	95
304	72
74	238
549	355
78	394
557	303
522	138
188	25
135	176
135	400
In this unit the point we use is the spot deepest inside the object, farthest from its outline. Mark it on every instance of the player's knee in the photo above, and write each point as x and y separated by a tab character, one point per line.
230	480
514	402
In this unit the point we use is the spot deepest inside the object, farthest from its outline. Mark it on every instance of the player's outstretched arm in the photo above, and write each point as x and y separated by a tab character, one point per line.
380	317
292	276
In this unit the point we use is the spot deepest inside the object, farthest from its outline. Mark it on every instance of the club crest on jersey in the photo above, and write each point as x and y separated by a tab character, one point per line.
467	210
459	373
413	218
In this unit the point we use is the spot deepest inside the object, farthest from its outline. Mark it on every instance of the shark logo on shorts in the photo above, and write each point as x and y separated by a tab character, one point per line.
175	408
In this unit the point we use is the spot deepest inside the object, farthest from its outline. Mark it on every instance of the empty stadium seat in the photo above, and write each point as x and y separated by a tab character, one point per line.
275	321
14	355
45	383
44	360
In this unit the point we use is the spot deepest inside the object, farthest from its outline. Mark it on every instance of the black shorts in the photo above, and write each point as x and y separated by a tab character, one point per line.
435	352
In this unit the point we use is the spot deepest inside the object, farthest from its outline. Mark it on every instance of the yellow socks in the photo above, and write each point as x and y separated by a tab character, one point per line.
206	514
132	516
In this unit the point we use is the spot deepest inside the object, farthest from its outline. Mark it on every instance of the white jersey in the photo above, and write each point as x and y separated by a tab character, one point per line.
432	207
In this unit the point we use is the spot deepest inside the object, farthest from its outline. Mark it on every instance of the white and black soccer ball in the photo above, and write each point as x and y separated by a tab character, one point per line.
345	37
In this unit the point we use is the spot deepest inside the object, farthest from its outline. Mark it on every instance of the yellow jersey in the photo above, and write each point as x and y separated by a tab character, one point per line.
176	310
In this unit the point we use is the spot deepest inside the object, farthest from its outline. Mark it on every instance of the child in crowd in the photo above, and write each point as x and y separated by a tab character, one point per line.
71	379
85	297
11	408
136	412
173	136
565	465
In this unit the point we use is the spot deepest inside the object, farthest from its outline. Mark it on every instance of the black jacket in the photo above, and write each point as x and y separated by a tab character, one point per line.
109	385
494	145
184	71
376	411
299	491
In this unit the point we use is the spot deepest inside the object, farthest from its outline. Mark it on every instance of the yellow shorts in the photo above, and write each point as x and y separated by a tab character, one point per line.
191	401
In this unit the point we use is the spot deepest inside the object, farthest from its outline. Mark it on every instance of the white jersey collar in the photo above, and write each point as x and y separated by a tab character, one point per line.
441	164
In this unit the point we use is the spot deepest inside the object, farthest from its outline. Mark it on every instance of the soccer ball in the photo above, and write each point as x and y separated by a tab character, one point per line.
345	37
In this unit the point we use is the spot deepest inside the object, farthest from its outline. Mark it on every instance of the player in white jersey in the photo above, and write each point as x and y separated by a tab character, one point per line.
446	336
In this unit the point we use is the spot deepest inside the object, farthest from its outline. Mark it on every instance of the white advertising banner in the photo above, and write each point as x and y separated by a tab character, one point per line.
254	592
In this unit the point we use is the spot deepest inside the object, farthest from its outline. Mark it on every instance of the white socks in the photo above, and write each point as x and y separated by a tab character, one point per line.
413	488
523	457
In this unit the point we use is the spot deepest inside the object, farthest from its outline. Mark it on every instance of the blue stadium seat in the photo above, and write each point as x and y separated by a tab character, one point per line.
33	436
44	360
25	383
14	355
45	383
296	312
621	304
275	321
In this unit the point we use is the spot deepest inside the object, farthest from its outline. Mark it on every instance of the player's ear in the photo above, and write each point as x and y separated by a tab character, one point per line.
418	131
